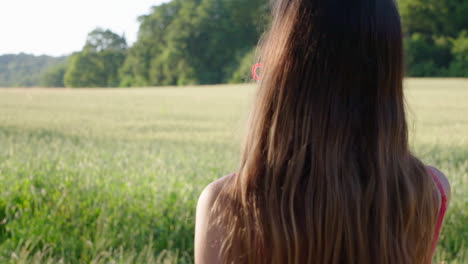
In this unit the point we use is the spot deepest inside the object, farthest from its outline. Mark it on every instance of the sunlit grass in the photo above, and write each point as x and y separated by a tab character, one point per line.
112	175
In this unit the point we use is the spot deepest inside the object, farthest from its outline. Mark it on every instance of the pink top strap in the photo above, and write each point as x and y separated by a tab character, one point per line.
443	209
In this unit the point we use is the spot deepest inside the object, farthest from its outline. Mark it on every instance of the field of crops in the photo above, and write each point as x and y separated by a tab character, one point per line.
113	175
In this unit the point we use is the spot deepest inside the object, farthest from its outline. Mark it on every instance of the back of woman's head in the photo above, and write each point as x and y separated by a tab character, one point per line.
326	173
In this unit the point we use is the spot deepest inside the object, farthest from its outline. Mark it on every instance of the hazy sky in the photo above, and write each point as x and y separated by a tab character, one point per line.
58	27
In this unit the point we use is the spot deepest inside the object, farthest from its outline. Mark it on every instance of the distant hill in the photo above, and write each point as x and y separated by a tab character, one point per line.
24	70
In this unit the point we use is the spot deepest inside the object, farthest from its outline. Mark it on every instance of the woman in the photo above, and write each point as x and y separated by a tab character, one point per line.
326	174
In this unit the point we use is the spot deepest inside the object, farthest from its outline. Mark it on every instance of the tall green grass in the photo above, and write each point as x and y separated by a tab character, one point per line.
113	175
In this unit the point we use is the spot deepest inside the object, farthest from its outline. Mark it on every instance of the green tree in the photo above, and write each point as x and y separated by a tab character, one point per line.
459	66
134	71
99	63
194	42
433	36
25	70
112	62
102	40
86	70
227	31
427	55
434	17
54	76
244	71
149	48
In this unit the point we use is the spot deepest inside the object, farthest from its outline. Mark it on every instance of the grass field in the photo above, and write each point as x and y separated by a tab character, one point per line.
113	175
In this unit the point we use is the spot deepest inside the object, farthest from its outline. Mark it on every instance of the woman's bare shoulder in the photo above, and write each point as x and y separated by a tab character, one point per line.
442	179
212	190
207	236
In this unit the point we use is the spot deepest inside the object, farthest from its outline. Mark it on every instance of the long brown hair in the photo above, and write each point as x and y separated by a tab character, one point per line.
326	173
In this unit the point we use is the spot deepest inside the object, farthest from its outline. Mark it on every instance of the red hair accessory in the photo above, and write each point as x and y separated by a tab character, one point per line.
254	71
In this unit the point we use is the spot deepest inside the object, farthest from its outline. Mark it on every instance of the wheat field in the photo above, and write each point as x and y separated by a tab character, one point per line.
113	175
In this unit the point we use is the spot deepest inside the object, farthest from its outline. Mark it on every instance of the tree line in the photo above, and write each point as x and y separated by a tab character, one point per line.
436	37
183	42
23	70
187	42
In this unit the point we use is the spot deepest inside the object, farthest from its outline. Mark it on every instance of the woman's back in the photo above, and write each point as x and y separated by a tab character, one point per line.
208	237
326	174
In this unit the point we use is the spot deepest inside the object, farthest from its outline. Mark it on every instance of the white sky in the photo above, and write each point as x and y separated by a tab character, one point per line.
60	27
